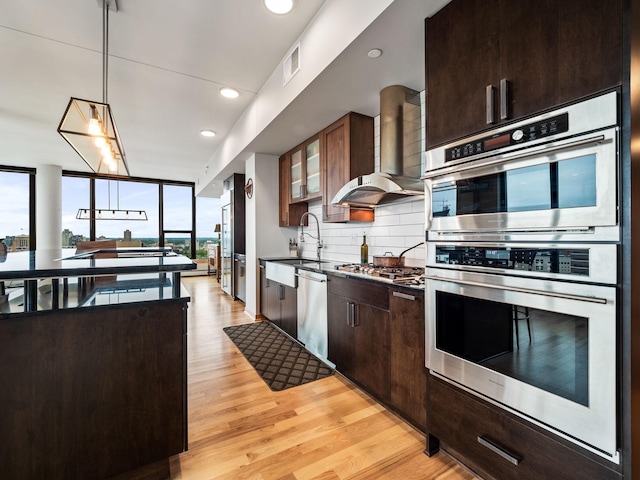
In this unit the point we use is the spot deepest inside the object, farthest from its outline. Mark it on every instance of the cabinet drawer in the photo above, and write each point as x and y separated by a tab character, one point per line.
475	432
360	291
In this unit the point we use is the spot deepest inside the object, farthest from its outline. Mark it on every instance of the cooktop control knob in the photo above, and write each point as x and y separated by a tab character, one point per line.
517	135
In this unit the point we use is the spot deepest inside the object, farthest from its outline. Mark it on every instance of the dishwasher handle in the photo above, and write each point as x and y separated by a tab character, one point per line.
319	280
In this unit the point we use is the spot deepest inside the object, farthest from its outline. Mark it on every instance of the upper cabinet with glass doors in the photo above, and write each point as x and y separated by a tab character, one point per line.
304	164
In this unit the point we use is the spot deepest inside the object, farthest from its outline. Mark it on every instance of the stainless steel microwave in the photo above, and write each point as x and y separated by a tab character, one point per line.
556	174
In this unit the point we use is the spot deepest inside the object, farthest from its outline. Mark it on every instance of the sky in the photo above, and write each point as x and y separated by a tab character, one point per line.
14	207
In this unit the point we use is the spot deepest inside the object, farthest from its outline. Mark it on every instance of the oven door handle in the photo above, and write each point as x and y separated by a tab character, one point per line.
581	298
544	149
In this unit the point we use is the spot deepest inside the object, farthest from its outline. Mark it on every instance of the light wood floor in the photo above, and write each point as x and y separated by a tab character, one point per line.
324	430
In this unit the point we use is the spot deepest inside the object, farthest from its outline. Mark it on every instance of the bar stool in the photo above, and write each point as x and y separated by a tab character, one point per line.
521	313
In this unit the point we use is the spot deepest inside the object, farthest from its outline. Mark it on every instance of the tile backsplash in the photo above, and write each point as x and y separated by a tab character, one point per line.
396	228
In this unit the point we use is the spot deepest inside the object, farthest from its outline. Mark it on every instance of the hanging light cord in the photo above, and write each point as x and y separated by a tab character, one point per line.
105	49
117	194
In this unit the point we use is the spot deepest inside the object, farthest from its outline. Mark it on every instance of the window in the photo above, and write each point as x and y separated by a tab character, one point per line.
124	195
75	195
16	207
208	214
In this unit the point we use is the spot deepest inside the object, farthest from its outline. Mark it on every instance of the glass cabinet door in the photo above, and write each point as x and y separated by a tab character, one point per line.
313	169
296	175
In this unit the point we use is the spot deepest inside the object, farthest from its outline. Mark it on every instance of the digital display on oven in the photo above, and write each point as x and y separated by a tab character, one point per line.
497	142
515	136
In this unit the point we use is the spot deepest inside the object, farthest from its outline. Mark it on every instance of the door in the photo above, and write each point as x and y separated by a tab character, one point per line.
536	49
340	333
408	371
462	61
370	365
288	310
541	53
543	348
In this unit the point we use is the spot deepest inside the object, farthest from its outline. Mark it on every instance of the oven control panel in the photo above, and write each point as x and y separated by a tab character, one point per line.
520	135
567	261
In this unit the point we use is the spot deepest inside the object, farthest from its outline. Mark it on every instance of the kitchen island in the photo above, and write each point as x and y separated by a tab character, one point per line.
92	364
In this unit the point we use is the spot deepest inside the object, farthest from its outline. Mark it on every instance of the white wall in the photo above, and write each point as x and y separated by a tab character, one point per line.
345	21
264	238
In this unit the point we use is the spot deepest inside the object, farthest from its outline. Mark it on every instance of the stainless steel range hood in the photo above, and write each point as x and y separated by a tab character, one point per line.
400	154
379	189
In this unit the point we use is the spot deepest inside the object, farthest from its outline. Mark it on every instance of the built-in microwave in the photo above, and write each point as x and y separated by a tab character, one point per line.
555	174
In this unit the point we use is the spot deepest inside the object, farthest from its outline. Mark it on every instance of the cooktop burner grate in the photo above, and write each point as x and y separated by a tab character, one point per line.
392	274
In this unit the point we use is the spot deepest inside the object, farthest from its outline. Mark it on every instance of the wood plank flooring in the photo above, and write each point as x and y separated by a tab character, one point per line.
324	430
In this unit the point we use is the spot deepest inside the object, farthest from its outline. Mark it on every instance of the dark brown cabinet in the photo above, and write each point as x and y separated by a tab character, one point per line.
494	61
290	213
348	153
407	347
358	332
497	444
278	303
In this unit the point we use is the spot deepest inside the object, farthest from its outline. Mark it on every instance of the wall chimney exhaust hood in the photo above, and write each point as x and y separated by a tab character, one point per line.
400	155
379	188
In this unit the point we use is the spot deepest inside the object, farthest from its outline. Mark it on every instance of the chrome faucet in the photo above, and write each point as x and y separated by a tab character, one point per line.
317	237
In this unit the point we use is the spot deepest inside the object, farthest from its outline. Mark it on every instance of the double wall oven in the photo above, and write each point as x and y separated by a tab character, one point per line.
522	269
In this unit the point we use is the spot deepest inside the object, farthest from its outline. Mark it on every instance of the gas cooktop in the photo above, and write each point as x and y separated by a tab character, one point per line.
397	275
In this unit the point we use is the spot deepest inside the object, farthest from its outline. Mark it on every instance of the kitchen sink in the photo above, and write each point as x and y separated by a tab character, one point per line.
281	273
299	261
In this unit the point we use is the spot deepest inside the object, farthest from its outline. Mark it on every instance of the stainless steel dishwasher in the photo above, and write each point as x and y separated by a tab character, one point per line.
312	312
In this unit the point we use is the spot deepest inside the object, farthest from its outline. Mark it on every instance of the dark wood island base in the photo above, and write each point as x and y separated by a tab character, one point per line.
93	392
93	384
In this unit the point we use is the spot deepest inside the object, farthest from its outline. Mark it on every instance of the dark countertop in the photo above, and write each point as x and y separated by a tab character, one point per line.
56	263
329	267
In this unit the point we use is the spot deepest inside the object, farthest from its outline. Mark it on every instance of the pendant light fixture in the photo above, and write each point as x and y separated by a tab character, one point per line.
108	213
88	126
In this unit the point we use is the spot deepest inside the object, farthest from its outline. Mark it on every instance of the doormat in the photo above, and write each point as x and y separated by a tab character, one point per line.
281	362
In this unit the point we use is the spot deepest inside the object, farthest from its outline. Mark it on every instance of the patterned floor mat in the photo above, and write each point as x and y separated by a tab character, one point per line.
281	362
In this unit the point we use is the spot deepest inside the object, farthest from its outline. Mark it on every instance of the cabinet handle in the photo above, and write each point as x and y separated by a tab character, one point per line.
504	99
496	449
303	192
404	295
351	314
489	104
280	292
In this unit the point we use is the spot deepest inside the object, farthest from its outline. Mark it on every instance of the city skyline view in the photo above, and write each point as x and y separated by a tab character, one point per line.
110	194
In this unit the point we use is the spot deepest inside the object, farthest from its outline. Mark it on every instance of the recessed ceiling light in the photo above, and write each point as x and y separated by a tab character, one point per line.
374	53
229	92
279	7
207	133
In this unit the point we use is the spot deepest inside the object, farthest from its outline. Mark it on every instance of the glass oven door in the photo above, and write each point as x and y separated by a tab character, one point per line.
568	185
544	349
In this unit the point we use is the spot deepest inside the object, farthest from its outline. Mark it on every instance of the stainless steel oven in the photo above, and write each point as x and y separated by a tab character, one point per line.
522	270
556	174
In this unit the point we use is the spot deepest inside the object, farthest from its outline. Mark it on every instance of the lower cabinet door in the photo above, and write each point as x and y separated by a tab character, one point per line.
370	367
408	371
289	310
340	333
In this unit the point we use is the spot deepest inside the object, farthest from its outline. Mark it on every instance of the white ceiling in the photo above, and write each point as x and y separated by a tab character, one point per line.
167	61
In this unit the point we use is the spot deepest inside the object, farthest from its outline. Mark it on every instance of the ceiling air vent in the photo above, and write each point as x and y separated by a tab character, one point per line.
291	65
